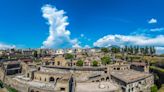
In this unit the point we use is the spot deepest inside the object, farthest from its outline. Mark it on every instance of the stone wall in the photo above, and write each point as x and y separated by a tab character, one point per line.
2	74
35	89
136	86
21	87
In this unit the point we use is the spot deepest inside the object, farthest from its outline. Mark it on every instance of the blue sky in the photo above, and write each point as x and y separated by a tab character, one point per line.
91	23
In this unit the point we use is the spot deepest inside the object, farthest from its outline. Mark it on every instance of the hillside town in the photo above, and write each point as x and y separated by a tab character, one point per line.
110	69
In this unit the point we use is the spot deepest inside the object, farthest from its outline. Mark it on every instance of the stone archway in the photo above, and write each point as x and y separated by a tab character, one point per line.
32	90
38	68
58	63
51	79
57	79
28	75
107	78
46	63
53	63
102	79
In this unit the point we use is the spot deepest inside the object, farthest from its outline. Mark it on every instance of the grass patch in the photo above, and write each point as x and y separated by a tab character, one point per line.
157	69
154	88
161	89
10	89
1	84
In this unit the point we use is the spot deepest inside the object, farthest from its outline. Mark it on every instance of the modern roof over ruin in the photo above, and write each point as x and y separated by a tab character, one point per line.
96	87
129	76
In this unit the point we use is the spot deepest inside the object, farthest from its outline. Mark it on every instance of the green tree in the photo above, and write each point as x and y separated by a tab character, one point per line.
131	49
69	56
131	59
136	49
126	49
105	60
105	50
94	63
79	63
153	50
146	50
142	50
154	88
35	54
115	49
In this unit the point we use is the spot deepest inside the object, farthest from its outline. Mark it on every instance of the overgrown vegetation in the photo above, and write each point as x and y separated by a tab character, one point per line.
69	56
158	75
105	60
79	63
10	89
157	68
95	63
154	88
115	49
105	50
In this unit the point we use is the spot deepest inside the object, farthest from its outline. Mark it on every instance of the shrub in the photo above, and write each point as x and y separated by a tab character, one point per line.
79	63
10	89
68	56
157	69
154	88
105	50
105	60
94	63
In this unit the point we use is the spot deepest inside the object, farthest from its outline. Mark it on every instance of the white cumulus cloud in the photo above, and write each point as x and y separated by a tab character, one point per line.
81	35
152	21
87	46
157	29
6	46
160	50
76	46
129	40
59	36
